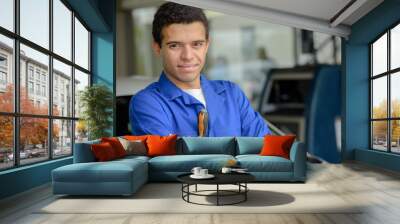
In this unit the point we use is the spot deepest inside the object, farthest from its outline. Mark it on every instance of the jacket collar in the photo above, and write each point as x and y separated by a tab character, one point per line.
170	90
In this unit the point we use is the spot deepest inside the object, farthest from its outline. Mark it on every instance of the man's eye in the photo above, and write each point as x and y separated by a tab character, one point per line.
173	46
198	44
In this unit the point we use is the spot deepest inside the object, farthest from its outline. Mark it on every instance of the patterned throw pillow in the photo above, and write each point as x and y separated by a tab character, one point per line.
134	147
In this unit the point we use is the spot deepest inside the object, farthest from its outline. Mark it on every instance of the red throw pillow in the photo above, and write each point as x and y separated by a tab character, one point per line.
116	145
161	145
103	151
277	145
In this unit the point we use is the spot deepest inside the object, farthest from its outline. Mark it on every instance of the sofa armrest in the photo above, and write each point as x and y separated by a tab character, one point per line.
298	157
83	152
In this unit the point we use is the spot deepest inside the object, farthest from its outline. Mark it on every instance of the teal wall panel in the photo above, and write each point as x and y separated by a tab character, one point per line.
356	93
24	178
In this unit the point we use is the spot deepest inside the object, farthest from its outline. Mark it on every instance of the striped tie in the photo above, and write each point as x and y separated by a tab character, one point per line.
203	122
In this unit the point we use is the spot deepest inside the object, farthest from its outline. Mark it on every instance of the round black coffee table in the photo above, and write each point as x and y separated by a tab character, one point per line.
238	179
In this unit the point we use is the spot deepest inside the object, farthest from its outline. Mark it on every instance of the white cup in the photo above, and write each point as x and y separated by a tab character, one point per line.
196	170
203	172
226	170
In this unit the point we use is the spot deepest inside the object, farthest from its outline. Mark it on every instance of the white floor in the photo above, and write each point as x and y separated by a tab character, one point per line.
378	189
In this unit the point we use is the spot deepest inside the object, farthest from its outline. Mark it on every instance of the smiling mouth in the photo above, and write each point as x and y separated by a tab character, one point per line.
187	66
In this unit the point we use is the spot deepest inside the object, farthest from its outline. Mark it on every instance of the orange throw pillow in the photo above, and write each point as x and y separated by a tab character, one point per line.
116	145
161	145
277	145
103	151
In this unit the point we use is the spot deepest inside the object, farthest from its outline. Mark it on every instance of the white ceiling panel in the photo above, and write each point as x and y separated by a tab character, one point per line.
321	9
333	17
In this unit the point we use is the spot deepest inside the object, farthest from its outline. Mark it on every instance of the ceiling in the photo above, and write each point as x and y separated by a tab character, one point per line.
333	17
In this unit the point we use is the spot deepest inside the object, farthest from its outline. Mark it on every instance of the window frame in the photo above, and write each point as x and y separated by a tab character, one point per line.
16	114
388	74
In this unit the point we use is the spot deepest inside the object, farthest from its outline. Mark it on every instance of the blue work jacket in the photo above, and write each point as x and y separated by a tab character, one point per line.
162	109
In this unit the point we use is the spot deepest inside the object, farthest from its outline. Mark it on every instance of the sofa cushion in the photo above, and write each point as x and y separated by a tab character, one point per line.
111	171
207	145
249	145
185	163
83	152
257	163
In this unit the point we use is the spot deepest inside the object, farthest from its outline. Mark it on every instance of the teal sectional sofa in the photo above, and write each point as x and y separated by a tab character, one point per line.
125	176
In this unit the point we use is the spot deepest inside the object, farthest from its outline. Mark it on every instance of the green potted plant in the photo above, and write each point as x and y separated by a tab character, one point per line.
96	102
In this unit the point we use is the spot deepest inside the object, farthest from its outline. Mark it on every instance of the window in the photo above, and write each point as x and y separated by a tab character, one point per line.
37	74
3	61
30	72
39	80
38	89
3	78
6	79
3	72
7	14
43	90
385	94
81	45
30	87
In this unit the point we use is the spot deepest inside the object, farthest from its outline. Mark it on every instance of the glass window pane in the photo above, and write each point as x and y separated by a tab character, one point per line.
379	56
62	138
35	21
379	135
34	97
33	139
395	47
395	95
6	142
81	131
379	97
6	74
81	81
7	14
62	29
81	45
395	136
62	89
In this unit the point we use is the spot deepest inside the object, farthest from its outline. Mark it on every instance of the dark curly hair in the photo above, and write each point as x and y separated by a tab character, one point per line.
170	13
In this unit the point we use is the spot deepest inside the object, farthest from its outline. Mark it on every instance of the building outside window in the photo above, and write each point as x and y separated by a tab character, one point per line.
385	91
57	129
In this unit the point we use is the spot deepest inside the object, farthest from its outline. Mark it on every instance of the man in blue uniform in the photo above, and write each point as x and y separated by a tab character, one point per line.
183	101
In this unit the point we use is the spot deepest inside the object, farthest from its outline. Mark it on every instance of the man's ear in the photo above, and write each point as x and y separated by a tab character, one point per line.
156	48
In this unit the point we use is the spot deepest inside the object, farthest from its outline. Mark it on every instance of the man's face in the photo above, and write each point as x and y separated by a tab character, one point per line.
183	51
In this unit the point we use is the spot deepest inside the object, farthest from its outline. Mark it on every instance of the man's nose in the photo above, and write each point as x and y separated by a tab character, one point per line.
187	53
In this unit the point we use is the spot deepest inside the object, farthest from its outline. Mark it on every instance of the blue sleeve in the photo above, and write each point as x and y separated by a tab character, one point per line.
147	116
252	122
